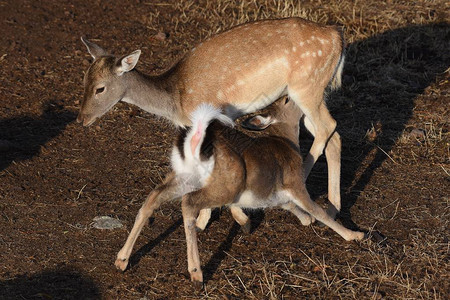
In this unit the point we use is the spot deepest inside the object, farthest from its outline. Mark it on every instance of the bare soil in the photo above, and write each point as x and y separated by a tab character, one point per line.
56	176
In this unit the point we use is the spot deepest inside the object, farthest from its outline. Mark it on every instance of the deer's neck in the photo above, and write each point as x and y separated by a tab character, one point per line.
154	94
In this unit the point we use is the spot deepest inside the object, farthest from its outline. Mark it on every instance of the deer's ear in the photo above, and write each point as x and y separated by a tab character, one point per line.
258	122
95	50
128	62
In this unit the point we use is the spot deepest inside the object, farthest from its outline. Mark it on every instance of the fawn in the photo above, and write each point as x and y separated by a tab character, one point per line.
216	165
238	71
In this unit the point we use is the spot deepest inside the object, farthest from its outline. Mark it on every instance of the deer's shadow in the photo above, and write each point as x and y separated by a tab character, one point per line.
63	283
382	76
22	138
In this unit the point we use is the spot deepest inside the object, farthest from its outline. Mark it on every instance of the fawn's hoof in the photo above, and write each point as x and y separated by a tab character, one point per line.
121	264
359	235
197	278
246	227
307	220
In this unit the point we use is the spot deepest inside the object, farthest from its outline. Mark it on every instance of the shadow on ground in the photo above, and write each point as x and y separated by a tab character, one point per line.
383	75
22	138
61	283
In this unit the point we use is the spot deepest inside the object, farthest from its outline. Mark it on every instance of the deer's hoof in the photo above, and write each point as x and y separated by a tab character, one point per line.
359	235
197	279
247	227
121	264
307	220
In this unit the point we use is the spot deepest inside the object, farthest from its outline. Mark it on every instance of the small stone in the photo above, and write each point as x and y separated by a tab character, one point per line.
417	133
105	222
160	36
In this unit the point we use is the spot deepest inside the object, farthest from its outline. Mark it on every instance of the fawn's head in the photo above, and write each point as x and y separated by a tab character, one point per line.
281	119
103	82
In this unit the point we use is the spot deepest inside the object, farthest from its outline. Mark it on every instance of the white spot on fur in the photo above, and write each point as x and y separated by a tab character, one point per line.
319	52
190	91
301	44
286	51
294	49
240	82
220	95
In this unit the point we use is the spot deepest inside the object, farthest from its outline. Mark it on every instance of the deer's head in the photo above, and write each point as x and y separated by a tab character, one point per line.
104	84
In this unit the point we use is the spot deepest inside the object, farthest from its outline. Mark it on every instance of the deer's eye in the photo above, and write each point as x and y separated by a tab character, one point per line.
100	90
286	101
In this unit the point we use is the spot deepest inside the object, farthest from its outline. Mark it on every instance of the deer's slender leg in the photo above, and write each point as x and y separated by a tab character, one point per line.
240	217
304	218
168	190
237	213
189	216
322	126
203	218
301	198
333	154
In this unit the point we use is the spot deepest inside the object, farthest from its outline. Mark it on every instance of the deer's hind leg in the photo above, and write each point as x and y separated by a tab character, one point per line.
203	218
301	198
190	213
322	126
168	190
238	214
305	218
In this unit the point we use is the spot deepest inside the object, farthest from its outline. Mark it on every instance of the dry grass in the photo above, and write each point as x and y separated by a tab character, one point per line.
384	64
393	116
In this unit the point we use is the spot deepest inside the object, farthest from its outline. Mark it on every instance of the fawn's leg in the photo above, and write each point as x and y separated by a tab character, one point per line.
304	218
240	217
168	190
189	216
203	218
301	198
237	213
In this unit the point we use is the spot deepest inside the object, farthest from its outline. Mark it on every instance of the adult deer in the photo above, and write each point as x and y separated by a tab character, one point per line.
267	172
239	71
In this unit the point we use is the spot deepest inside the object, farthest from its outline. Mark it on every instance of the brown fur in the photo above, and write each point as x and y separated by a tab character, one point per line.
263	167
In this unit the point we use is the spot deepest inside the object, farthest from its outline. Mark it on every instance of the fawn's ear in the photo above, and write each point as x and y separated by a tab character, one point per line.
258	122
95	50
128	62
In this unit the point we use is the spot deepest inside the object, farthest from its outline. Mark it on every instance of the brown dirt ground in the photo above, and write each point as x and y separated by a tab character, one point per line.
56	176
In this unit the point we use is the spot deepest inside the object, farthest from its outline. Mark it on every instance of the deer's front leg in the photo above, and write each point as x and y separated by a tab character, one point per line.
189	218
166	191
